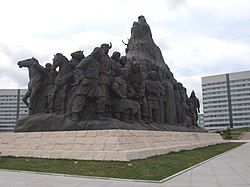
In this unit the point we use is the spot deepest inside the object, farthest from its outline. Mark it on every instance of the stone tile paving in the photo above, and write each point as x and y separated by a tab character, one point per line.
246	136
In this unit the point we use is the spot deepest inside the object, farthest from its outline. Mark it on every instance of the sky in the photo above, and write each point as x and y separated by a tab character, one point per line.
197	37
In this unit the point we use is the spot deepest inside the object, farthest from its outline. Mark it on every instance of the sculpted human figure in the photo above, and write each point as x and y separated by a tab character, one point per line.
187	118
126	44
152	93
116	56
169	102
162	97
87	86
123	61
195	107
141	30
77	57
136	89
115	65
104	82
191	114
158	81
121	105
51	74
178	101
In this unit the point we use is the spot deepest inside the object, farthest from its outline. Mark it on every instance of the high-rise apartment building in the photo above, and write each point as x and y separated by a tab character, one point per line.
226	100
11	108
200	120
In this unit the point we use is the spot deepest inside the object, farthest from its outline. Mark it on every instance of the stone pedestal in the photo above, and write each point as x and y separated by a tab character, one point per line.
122	145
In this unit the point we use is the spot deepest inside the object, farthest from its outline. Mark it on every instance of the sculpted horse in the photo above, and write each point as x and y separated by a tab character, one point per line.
63	80
37	76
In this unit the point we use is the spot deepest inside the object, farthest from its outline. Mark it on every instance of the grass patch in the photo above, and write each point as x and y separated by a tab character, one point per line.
153	168
234	133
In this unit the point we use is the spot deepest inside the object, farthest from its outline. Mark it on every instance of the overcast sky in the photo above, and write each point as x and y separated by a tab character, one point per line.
197	37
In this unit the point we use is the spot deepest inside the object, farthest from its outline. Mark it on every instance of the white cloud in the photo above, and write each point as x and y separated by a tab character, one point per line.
205	53
225	9
4	60
8	83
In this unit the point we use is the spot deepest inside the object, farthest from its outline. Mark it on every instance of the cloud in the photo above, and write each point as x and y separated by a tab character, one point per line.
208	55
13	78
174	4
10	73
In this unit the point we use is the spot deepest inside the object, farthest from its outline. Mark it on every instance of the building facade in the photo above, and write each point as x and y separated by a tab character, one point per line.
201	120
11	108
226	100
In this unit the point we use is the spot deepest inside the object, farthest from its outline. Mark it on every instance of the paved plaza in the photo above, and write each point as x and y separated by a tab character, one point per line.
245	136
231	169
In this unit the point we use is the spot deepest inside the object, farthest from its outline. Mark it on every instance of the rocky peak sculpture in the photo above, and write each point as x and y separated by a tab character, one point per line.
141	46
136	91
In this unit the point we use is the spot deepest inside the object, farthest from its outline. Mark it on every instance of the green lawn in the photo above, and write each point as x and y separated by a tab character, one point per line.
235	133
153	168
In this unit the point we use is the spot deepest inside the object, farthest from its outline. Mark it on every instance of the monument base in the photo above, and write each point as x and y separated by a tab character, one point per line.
119	145
59	122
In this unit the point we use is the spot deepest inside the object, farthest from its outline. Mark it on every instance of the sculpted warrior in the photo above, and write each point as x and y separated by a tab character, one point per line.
104	81
121	105
153	97
87	86
51	74
115	64
136	90
123	61
170	102
77	57
195	105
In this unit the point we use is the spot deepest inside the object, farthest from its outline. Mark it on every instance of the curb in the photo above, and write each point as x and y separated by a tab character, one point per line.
241	135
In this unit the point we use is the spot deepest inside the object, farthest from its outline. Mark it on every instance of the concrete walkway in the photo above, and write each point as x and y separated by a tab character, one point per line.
231	169
245	136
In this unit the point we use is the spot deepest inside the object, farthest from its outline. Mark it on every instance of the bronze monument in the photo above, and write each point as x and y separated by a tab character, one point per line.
134	92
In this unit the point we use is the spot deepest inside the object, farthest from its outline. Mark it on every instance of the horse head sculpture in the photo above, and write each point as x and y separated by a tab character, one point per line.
27	62
58	60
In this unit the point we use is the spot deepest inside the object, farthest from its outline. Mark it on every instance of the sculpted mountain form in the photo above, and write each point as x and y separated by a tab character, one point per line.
135	91
141	47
